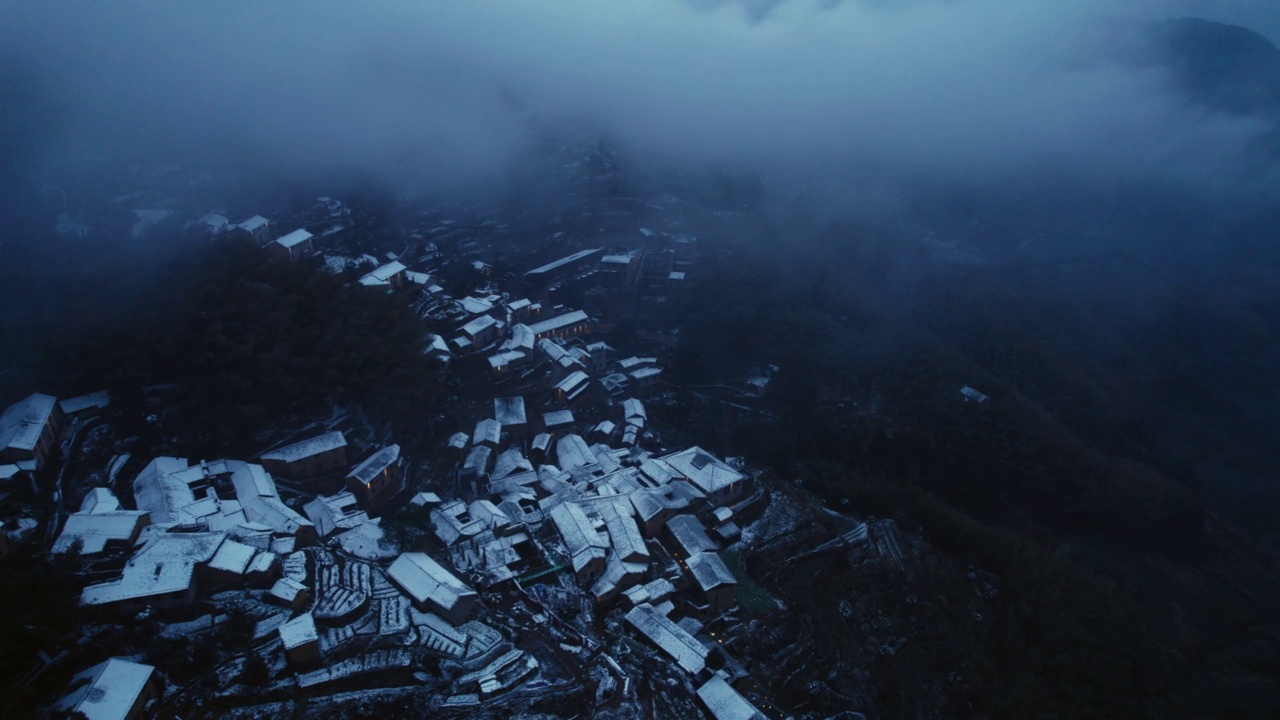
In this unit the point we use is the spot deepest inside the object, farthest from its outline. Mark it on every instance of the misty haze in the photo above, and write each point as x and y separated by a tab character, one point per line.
725	359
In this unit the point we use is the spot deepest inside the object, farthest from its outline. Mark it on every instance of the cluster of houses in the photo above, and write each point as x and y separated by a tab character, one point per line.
637	529
565	479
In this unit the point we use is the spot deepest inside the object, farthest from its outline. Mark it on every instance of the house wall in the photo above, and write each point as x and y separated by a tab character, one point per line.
721	598
305	653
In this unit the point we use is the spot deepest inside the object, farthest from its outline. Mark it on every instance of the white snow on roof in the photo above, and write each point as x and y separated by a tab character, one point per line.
562	262
633	408
175	494
487	431
424	580
558	418
572	451
558	323
252	223
307	448
458	440
509	410
724	702
475	306
287	589
479	325
112	690
703	469
366	471
383	275
579	534
297	237
232	557
572	381
478	459
542	441
99	500
505	358
552	349
669	637
651	592
97	400
22	423
93	530
299	631
689	533
165	565
522	338
335	512
709	571
624	534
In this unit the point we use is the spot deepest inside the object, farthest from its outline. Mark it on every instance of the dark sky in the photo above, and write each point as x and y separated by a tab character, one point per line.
425	89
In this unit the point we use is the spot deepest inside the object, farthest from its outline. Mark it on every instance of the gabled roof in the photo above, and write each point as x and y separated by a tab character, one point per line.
725	703
299	631
111	692
366	471
690	534
297	237
479	325
556	264
22	422
488	431
703	469
559	323
165	565
572	451
382	275
709	571
252	223
580	537
307	448
558	418
426	580
669	637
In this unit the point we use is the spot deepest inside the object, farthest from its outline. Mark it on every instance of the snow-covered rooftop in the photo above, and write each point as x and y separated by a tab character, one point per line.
232	557
556	264
572	451
558	323
703	469
509	410
669	637
479	325
252	223
709	571
559	418
690	534
166	564
299	631
725	703
93	530
579	534
383	275
424	580
488	432
366	471
111	692
295	238
307	448
22	422
98	400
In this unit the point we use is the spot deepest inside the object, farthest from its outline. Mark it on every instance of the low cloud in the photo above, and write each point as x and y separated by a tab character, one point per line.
434	92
